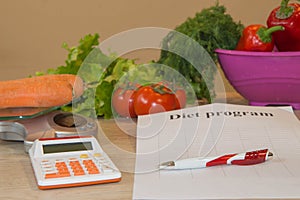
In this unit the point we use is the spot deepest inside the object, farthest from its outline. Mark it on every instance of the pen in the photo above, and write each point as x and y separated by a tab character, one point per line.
247	158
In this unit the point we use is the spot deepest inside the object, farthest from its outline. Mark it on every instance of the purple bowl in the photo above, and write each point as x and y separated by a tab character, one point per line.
263	78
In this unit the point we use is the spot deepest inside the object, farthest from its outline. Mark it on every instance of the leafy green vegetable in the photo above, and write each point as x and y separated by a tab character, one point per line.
103	79
100	74
212	28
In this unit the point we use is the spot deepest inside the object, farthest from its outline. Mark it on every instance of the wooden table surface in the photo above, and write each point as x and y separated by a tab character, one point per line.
117	137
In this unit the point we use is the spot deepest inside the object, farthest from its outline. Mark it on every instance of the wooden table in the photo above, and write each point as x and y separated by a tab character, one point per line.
17	180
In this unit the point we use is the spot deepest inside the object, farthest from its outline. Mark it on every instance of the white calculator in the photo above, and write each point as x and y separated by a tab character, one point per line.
71	161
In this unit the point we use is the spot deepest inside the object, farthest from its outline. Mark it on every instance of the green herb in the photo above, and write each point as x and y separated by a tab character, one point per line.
212	28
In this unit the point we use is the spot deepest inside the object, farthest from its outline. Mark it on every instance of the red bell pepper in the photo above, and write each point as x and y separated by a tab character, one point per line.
288	16
257	37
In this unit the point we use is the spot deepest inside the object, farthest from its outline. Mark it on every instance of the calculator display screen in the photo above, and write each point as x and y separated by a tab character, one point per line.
67	147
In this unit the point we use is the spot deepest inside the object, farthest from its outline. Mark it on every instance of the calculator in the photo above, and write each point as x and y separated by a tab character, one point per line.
71	161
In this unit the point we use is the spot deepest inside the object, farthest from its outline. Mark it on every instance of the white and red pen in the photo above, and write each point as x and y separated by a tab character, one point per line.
247	158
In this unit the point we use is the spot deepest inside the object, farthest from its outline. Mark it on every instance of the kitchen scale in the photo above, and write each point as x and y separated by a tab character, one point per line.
29	124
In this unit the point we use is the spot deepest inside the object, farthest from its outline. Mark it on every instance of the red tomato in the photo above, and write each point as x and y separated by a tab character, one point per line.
122	102
147	100
180	98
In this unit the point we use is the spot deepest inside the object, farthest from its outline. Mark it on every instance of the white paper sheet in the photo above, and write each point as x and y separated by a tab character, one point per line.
214	130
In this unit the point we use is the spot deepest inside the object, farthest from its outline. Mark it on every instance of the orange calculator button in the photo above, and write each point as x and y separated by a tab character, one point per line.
74	163
91	167
60	164
52	175
87	162
57	175
64	174
79	172
61	171
94	171
76	168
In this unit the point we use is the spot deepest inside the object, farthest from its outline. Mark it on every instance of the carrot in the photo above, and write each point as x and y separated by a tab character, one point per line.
40	91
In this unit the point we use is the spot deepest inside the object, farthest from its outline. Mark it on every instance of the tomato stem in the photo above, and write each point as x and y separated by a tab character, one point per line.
161	89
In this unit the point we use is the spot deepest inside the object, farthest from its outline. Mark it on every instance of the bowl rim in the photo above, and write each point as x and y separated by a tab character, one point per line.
256	53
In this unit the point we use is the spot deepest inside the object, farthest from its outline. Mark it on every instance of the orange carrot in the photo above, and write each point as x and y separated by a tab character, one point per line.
40	91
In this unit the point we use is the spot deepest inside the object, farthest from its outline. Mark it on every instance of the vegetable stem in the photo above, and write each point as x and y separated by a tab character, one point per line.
285	10
265	34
